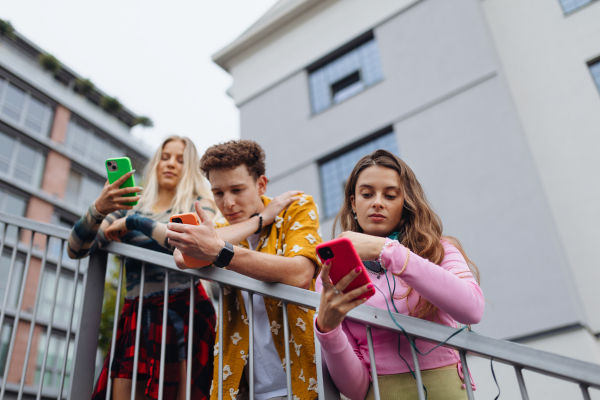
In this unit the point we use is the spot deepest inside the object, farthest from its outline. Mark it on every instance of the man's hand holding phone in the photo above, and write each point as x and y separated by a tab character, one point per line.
111	199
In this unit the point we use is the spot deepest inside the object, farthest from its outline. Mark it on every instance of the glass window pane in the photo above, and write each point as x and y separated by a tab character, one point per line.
37	118
28	165
14	287
73	186
91	192
4	342
7	145
98	145
572	5
345	76
77	138
335	172
595	70
13	103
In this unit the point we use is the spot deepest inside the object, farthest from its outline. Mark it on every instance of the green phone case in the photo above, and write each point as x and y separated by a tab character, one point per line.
123	167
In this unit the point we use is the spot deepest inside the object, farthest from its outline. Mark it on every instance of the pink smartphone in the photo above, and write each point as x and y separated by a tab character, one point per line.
344	259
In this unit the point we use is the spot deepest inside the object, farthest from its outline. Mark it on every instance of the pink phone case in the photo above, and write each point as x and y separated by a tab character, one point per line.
344	259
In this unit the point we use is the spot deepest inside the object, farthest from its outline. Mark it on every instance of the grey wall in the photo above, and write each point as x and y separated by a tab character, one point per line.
457	128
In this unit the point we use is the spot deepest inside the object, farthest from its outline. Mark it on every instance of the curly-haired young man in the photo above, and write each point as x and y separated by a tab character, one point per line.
276	242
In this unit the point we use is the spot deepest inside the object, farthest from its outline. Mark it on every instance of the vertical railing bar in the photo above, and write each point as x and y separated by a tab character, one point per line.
188	368
33	319
69	328
286	342
9	278
585	392
2	252
138	328
519	372
51	321
418	376
251	344
113	340
163	339
13	335
374	377
221	345
465	368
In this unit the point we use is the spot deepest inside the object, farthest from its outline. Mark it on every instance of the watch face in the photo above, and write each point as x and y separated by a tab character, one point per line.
225	256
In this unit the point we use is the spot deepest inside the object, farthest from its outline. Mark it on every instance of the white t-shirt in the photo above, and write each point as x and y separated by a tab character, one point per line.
269	376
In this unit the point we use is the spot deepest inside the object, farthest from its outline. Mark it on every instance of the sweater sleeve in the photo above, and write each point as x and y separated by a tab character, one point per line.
449	286
87	235
343	358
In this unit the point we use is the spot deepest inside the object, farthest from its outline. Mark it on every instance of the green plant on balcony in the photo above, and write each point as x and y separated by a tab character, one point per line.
111	105
83	86
6	29
143	121
49	63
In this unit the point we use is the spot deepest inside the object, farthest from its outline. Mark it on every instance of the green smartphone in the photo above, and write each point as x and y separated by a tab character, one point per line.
116	168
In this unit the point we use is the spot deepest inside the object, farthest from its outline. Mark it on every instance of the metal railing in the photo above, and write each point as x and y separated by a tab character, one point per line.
85	331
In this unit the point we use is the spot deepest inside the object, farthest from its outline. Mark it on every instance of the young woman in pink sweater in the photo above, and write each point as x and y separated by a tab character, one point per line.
386	216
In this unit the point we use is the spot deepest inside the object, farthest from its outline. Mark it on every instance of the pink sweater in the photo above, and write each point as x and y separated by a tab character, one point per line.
458	299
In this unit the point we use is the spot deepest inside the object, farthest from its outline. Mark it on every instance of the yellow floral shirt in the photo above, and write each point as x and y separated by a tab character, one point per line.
295	232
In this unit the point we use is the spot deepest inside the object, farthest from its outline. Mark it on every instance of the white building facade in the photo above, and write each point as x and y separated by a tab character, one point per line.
495	105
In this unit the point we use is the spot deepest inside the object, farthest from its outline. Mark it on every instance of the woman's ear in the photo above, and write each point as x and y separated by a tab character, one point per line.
262	184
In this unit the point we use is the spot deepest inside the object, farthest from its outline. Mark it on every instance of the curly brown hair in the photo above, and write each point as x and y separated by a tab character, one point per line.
230	155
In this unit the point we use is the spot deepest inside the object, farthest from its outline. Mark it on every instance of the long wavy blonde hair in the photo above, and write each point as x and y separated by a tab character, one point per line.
420	228
192	184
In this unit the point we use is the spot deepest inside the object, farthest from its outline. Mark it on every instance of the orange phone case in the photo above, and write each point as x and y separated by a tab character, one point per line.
190	219
344	259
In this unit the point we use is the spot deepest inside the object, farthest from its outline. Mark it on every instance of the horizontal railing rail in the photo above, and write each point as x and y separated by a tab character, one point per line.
520	357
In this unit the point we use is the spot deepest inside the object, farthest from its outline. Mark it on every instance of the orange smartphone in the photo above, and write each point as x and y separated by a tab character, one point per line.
344	259
190	219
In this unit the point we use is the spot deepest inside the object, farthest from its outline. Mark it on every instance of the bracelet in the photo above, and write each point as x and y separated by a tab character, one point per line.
259	223
405	263
385	246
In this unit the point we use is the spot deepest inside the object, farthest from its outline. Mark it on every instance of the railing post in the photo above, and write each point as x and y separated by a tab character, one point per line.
326	387
86	341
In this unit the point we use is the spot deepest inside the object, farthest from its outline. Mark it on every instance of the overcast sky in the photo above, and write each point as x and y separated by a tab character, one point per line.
154	56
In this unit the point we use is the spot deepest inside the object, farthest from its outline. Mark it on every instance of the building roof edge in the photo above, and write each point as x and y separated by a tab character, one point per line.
280	14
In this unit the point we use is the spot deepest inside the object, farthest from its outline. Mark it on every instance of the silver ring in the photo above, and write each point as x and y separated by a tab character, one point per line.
335	290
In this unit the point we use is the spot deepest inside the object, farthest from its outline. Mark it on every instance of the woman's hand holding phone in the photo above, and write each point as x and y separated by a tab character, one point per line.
111	200
335	304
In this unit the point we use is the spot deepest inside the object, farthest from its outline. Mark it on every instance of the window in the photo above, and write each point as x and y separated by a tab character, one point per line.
335	171
14	287
23	110
11	204
20	161
90	145
54	248
54	361
82	190
572	5
333	81
64	297
4	342
595	70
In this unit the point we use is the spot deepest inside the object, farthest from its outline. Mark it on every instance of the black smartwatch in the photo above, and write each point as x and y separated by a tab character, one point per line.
225	256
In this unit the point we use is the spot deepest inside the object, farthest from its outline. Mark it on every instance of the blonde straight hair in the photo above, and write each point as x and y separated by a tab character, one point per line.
192	184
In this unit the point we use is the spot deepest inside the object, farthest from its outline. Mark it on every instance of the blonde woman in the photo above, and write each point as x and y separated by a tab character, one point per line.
173	185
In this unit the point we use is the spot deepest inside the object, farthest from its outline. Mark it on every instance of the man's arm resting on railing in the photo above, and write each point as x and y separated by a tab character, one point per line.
294	271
